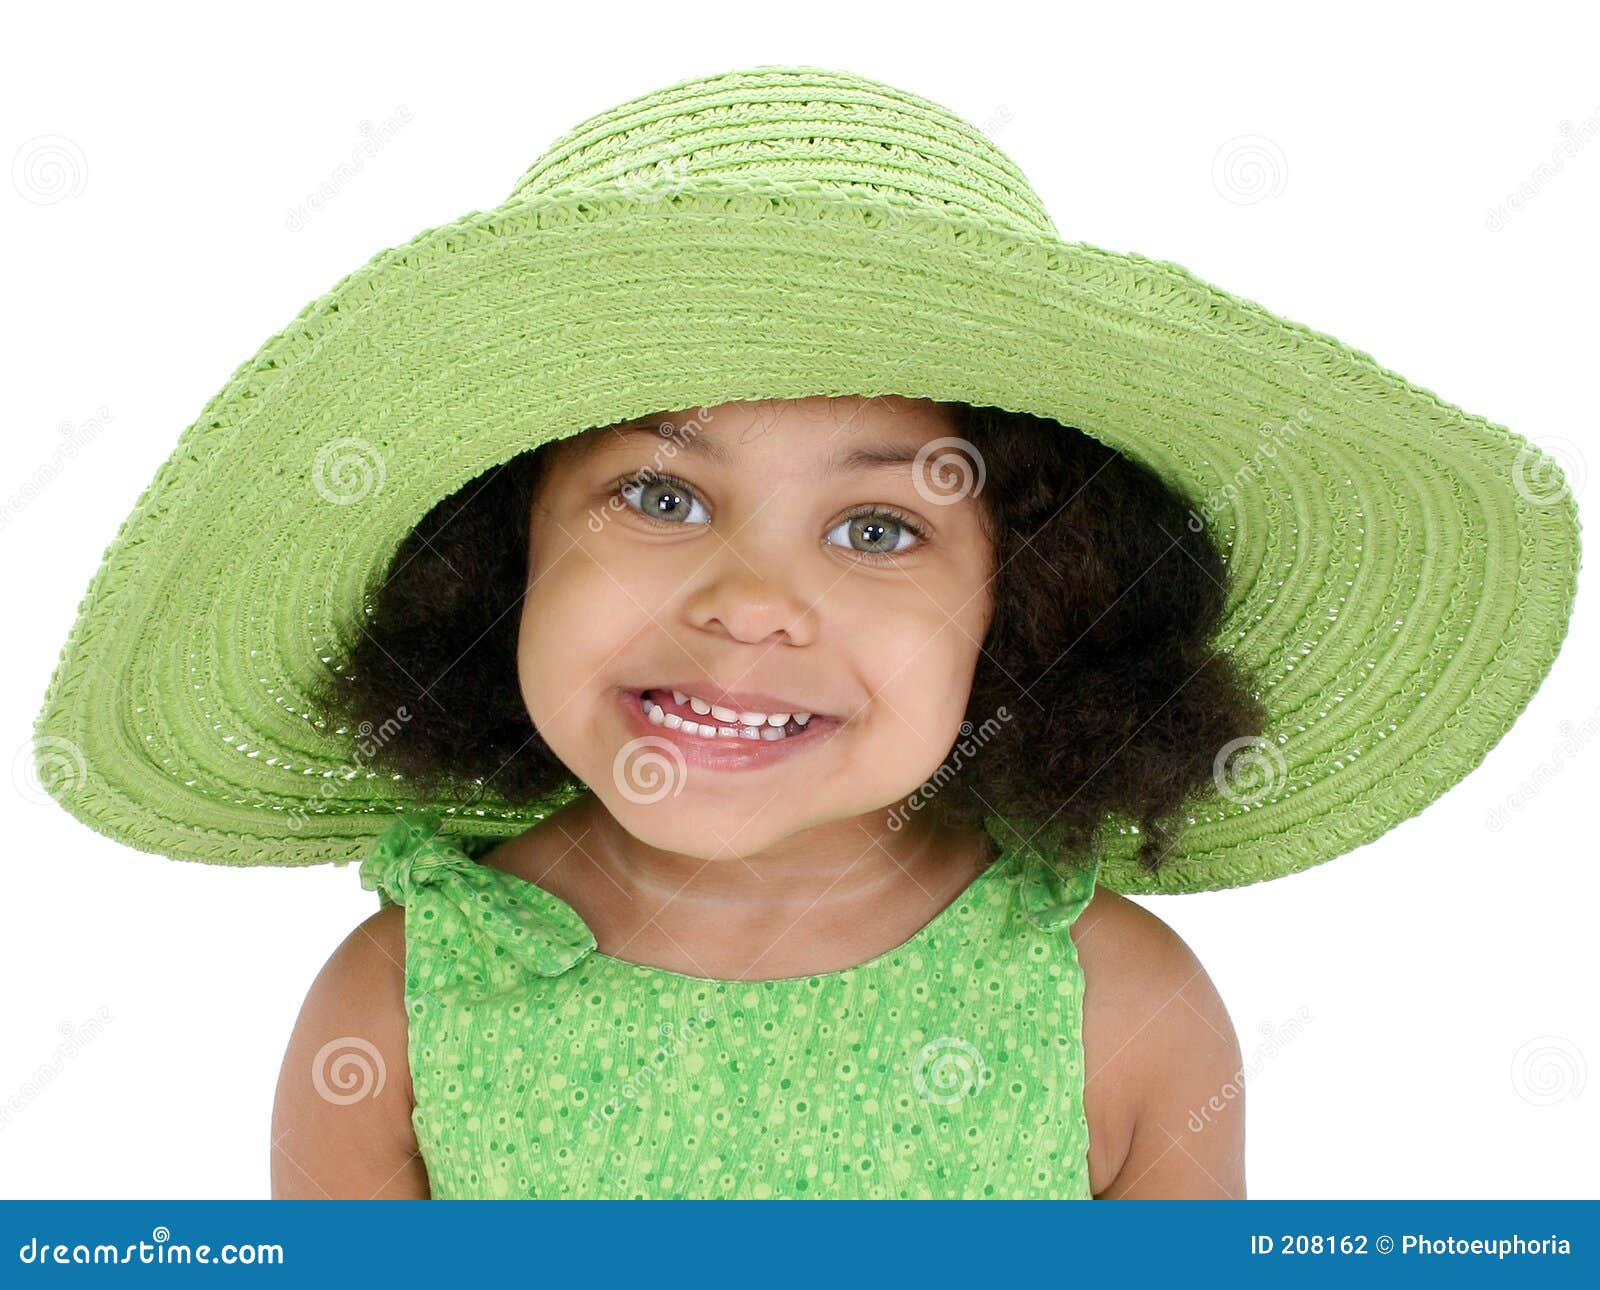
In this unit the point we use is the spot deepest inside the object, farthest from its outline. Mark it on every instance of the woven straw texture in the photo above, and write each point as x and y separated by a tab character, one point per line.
1400	571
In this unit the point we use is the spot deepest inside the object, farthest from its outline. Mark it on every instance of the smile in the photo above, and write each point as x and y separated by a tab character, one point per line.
709	738
696	716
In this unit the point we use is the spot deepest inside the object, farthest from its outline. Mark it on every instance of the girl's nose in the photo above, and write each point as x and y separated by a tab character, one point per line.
741	602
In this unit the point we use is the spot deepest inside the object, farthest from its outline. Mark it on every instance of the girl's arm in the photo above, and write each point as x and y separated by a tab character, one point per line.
1176	1067
341	1120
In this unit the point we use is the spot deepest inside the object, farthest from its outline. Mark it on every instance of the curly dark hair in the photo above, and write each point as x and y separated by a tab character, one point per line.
1107	605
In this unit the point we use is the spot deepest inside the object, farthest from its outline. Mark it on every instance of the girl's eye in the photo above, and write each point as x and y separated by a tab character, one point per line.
663	498
876	533
883	534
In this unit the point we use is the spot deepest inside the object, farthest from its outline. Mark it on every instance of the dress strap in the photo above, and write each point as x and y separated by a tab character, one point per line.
1054	892
504	924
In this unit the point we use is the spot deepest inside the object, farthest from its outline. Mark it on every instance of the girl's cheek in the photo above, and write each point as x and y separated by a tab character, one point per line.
573	620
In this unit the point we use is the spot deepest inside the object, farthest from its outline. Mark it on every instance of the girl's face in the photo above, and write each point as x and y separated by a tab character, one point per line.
818	555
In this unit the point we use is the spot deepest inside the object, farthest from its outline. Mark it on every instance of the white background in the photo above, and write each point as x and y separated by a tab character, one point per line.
1447	969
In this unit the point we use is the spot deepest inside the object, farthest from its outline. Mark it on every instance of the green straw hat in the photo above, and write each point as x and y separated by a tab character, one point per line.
1400	571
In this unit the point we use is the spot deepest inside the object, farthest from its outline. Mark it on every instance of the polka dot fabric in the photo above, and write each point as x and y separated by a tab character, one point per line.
948	1067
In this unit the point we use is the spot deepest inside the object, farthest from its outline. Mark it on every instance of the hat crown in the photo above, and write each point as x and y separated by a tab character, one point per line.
794	125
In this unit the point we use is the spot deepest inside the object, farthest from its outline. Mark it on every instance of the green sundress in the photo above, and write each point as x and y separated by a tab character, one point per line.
948	1067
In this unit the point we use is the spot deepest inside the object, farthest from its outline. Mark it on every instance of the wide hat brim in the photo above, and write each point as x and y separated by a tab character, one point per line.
1401	572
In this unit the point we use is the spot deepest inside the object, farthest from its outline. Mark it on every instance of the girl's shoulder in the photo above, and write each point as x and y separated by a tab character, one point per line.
341	1119
1158	1046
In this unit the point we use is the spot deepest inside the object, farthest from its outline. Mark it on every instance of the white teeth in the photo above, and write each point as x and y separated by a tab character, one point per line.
752	725
723	714
679	697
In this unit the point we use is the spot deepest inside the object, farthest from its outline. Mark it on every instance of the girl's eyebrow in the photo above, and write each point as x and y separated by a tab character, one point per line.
871	456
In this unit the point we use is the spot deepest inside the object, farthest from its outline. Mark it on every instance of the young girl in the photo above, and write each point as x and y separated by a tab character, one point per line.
753	960
750	603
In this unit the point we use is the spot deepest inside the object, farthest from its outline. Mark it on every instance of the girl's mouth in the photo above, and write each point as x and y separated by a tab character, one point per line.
722	737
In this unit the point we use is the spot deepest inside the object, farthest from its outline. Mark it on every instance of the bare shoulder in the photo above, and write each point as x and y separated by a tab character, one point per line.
341	1117
1163	1089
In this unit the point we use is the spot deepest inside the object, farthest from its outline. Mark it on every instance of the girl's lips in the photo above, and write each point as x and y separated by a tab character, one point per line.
726	752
